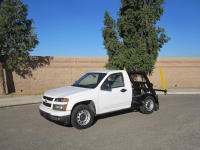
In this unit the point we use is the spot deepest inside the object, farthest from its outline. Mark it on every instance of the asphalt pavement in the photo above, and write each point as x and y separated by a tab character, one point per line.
9	100
175	126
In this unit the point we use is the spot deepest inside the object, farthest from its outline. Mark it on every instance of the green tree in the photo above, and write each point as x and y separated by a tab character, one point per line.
140	39
17	37
111	41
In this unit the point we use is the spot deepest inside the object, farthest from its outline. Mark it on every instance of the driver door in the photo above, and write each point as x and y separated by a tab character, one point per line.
116	96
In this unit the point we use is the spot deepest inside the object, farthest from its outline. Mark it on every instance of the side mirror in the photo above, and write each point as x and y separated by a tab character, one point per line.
105	86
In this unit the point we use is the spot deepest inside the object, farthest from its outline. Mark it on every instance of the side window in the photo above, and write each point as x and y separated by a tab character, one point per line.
115	80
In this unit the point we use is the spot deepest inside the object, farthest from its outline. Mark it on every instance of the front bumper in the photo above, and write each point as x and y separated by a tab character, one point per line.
46	115
54	115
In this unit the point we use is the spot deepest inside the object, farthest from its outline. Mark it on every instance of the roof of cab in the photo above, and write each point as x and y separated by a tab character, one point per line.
107	71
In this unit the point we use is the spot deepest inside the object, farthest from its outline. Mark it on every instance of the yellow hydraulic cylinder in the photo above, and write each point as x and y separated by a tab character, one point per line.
162	79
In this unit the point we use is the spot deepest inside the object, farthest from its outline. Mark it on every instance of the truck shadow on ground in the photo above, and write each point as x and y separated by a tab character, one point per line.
99	117
62	124
112	114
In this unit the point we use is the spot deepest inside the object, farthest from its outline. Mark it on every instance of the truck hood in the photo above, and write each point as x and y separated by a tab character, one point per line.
65	91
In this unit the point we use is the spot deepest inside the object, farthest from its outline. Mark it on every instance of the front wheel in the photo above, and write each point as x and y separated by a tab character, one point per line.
148	106
82	117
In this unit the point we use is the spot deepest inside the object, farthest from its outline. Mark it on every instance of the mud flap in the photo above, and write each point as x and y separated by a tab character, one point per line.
156	107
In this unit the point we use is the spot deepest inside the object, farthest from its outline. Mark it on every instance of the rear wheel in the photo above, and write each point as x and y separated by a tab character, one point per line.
82	117
148	106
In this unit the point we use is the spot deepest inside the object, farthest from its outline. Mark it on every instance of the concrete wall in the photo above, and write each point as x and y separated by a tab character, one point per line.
63	71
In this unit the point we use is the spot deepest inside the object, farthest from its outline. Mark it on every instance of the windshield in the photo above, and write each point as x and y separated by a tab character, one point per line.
89	80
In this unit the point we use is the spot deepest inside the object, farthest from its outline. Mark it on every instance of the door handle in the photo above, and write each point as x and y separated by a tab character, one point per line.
123	90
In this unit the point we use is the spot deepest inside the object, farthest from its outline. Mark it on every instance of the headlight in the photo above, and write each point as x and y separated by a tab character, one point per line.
59	107
61	100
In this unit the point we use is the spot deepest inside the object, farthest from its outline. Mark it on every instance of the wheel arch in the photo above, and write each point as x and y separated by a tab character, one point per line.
90	103
149	94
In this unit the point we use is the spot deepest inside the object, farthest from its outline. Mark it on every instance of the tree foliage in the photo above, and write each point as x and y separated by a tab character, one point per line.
112	43
17	37
134	41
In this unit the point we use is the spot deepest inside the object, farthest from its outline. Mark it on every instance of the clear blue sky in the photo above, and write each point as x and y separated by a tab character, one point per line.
73	27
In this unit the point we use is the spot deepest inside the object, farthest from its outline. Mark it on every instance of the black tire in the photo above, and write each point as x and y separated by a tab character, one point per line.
82	117
148	106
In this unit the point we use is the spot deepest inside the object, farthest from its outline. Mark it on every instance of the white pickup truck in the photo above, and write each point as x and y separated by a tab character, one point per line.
99	92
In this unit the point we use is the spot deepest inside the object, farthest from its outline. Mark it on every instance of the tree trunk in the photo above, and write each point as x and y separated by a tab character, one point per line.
2	81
